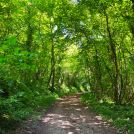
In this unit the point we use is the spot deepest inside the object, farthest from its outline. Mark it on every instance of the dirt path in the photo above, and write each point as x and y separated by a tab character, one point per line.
69	116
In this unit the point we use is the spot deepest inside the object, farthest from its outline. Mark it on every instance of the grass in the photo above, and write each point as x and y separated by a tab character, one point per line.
122	116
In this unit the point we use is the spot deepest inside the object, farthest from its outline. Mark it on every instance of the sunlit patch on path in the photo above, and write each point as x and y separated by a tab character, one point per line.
69	116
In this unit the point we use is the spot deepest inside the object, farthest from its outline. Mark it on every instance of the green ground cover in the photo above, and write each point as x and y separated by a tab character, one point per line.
122	116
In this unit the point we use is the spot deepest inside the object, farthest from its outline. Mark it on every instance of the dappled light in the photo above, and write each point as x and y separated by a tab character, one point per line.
69	116
53	51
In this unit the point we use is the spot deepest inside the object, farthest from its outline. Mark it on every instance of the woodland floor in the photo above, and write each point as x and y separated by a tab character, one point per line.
68	116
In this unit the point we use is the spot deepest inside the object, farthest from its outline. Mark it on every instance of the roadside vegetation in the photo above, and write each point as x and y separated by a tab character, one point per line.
49	48
122	116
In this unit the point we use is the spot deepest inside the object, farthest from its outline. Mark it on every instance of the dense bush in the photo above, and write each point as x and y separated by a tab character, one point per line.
19	107
121	116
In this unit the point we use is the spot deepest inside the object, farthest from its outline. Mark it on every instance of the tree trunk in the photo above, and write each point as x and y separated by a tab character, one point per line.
114	61
52	74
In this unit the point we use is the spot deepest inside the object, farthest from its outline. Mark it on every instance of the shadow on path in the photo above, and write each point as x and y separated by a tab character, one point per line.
69	116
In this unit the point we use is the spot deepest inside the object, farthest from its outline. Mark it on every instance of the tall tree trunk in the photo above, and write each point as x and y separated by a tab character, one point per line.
52	67
29	38
114	60
52	74
98	71
29	31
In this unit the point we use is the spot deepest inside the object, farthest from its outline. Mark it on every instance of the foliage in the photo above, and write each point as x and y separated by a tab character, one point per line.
121	116
14	109
63	47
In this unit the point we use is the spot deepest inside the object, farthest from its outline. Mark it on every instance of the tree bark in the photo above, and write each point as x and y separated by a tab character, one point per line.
114	61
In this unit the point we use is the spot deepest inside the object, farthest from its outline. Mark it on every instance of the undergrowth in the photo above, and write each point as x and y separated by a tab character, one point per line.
122	116
17	108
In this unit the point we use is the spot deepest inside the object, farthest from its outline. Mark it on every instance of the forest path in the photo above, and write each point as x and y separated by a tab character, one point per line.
69	116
